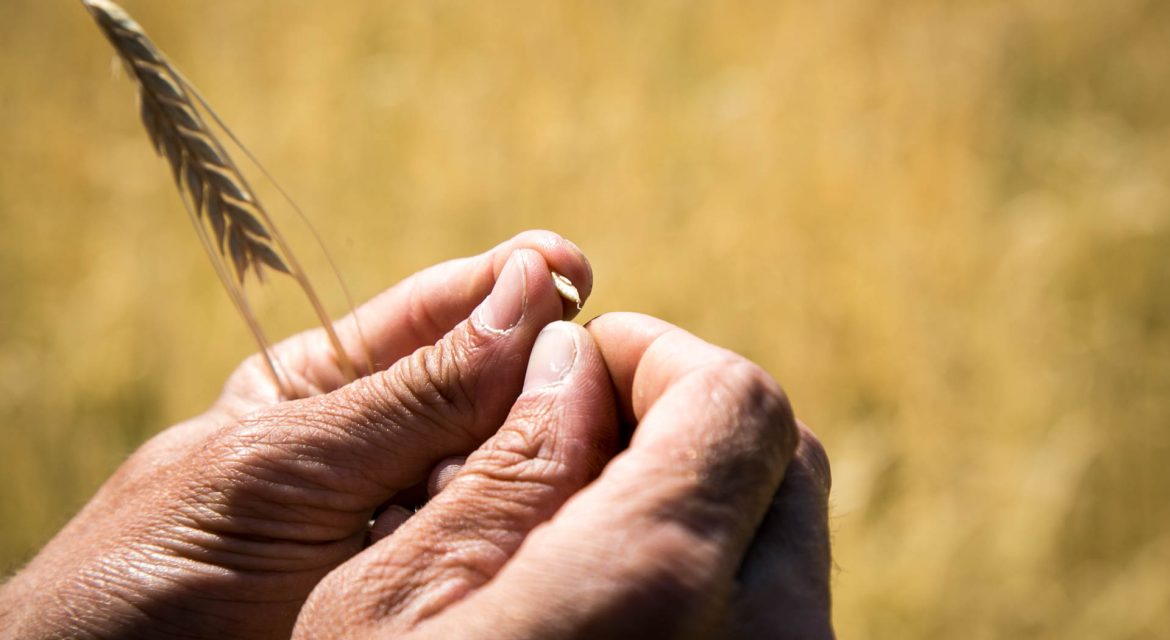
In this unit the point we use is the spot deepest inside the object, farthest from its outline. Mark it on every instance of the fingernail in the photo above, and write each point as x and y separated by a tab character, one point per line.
505	305
552	357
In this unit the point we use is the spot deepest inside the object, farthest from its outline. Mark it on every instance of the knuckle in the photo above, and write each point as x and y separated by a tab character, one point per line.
243	449
431	388
282	456
758	389
812	451
515	458
746	391
348	595
434	377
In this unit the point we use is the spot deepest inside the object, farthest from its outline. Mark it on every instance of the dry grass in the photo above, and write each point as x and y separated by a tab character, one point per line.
943	227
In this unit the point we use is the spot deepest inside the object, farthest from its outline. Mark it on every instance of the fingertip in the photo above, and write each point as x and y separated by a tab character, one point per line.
388	522
561	255
623	339
443	473
582	281
626	334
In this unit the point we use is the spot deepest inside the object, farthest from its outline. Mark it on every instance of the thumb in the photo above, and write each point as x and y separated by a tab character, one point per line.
315	469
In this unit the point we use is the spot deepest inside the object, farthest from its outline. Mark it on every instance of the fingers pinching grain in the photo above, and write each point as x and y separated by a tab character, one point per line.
422	308
661	533
558	436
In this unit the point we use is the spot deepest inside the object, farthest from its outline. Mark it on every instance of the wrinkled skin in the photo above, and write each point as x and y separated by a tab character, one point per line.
253	519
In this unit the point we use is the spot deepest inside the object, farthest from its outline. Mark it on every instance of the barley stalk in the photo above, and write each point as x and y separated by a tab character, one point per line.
215	192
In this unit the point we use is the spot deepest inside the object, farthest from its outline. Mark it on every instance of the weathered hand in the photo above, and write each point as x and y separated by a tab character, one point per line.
687	533
221	526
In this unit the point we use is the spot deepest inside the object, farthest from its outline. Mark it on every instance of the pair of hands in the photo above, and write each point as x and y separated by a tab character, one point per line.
253	519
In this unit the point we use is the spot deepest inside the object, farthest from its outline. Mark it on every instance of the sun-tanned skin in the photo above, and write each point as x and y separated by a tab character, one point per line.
252	519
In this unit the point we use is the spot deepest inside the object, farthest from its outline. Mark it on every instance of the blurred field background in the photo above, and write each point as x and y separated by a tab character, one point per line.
943	226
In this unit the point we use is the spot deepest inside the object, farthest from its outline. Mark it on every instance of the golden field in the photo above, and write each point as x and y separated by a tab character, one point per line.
943	226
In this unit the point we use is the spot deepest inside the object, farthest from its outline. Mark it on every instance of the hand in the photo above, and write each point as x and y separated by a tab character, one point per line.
221	526
687	533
